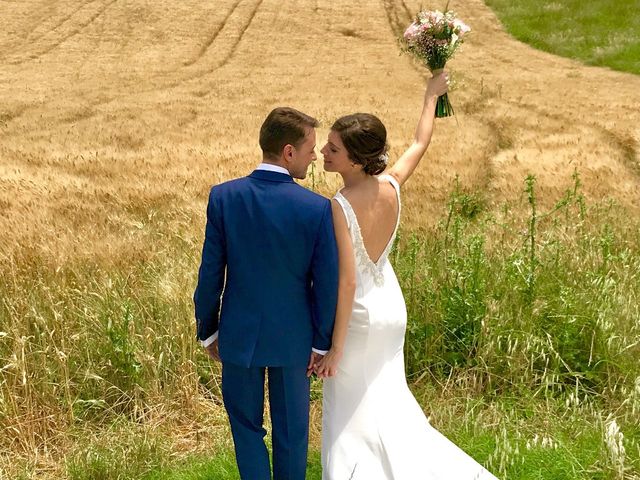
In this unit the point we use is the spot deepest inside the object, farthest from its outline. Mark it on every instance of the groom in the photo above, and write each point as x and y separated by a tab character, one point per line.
270	252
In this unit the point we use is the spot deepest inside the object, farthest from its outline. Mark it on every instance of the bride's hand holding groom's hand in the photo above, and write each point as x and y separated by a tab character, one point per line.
328	366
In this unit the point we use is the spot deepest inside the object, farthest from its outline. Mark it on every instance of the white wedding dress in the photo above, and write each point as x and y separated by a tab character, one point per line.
372	426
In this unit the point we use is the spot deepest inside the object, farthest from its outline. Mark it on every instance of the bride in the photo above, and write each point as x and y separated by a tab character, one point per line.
372	427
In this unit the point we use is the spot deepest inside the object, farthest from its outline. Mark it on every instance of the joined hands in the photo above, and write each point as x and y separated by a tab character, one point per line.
324	366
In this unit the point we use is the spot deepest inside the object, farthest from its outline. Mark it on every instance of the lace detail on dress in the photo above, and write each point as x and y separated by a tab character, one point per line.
375	269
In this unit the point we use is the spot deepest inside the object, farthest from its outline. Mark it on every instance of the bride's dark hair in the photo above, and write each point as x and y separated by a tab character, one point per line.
365	139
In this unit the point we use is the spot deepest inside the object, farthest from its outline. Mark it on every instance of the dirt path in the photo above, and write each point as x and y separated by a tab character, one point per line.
110	110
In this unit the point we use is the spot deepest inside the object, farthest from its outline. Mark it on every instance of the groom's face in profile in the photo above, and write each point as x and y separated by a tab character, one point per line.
303	155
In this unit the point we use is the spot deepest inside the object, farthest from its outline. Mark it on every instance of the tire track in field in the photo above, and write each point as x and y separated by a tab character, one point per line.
626	146
70	35
398	25
629	148
409	16
8	115
239	39
392	16
227	57
198	74
399	15
61	22
212	37
33	23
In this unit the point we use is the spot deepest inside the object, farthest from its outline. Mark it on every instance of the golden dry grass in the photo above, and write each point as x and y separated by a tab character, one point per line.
113	110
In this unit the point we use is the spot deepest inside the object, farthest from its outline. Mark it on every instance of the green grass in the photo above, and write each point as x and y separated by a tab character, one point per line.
538	304
527	442
598	32
222	466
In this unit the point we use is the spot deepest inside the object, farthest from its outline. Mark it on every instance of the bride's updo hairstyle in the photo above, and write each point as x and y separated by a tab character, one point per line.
365	139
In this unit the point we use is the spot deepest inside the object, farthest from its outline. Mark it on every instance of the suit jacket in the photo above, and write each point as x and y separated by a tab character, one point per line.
270	253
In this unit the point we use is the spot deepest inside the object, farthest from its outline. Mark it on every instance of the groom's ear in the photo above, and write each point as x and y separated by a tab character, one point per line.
288	151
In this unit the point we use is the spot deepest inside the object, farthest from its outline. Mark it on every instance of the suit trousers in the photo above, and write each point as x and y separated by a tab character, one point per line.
243	395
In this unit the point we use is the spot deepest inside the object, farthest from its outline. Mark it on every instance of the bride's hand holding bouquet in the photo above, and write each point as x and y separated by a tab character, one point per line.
433	37
438	85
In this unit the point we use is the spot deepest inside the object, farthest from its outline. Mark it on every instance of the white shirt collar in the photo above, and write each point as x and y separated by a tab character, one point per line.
273	168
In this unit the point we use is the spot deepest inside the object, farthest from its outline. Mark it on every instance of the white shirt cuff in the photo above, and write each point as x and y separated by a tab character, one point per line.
210	340
320	352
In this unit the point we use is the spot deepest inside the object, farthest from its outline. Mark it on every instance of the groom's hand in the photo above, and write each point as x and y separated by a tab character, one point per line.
313	361
212	351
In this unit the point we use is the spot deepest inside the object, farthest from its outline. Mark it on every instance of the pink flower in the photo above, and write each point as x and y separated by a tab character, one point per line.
425	27
411	32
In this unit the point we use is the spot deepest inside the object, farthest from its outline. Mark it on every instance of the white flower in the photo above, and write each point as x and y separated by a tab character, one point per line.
460	27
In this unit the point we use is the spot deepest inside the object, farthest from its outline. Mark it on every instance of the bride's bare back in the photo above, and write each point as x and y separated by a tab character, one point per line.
376	207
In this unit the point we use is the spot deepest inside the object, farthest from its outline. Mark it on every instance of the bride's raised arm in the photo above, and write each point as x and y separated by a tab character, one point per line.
407	163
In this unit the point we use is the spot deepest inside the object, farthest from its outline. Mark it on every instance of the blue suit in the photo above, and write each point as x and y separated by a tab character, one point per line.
268	284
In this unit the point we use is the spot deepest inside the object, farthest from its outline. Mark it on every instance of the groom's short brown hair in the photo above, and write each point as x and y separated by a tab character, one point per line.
284	126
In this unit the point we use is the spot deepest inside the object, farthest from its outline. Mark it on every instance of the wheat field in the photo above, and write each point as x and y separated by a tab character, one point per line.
116	117
113	108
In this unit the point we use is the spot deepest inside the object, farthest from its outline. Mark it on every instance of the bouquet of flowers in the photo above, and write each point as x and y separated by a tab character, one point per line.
433	37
